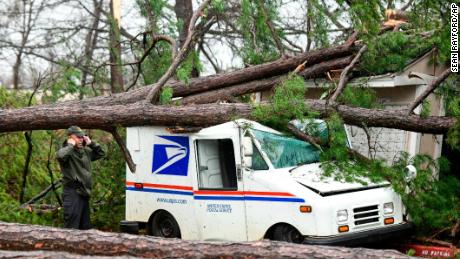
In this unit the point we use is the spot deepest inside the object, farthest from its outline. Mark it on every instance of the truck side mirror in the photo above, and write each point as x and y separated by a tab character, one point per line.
247	146
410	173
248	161
247	152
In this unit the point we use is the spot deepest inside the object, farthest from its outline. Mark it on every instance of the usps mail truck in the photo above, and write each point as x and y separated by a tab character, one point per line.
242	181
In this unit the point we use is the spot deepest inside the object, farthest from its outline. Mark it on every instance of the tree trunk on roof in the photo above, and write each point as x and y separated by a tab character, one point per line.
97	243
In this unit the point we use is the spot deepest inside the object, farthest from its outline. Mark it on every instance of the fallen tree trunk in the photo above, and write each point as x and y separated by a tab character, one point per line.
213	82
227	93
270	69
141	113
94	242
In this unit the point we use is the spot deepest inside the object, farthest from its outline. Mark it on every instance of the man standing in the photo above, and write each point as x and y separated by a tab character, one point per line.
75	160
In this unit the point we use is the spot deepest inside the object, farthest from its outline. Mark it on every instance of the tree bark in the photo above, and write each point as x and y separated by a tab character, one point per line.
345	75
202	84
227	93
429	89
94	242
141	113
270	69
116	72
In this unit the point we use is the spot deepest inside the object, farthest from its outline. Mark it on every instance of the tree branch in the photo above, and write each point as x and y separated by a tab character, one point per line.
278	43
153	93
124	150
429	89
50	172
409	3
345	75
43	193
304	136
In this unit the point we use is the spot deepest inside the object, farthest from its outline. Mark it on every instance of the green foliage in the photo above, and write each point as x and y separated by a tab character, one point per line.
184	71
218	5
286	103
108	198
67	82
166	95
258	44
319	34
391	52
432	203
426	109
360	96
450	93
157	63
411	252
453	136
366	16
107	202
156	7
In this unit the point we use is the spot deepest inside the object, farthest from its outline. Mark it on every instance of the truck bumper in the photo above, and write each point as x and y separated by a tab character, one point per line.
130	227
364	237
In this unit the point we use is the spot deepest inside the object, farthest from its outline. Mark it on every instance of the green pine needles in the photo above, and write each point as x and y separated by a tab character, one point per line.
286	103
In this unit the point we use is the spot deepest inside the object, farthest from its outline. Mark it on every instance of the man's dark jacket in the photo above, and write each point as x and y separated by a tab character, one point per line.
76	166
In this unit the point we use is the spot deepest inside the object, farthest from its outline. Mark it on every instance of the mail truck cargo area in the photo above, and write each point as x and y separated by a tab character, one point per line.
242	181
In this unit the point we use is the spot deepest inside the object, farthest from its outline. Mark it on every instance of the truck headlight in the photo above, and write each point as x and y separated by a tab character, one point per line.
388	208
342	216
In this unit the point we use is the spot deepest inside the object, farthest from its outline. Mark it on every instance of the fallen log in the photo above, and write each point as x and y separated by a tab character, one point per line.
95	242
229	92
141	113
270	69
213	82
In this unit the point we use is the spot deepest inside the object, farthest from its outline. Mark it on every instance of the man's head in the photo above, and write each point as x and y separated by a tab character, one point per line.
77	134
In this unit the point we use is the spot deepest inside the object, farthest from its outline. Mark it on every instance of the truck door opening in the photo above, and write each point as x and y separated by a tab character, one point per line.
216	164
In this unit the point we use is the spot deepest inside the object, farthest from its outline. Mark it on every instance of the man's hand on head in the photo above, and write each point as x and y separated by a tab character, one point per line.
71	141
87	140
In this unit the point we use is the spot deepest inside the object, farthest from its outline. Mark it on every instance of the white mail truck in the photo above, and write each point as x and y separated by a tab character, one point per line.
242	181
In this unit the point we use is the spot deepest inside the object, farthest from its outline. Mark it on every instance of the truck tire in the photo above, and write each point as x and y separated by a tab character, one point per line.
164	225
287	233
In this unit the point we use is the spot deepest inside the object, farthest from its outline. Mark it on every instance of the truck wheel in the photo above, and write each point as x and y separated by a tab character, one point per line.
164	225
287	233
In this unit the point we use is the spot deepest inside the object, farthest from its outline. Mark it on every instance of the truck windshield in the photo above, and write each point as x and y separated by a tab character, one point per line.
286	152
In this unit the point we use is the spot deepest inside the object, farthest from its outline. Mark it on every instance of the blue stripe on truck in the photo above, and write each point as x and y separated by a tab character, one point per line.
248	198
221	198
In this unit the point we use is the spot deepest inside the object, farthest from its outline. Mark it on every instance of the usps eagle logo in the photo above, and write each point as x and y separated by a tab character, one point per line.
170	155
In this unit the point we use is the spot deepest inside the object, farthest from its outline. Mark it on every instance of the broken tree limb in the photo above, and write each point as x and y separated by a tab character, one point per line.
124	150
227	93
94	242
50	172
304	136
141	113
43	193
317	142
270	69
429	89
345	75
318	70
